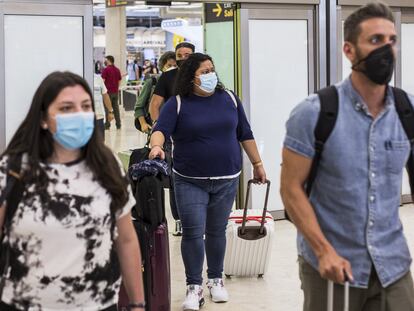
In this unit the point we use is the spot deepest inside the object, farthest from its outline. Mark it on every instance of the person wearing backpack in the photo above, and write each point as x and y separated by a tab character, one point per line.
348	222
165	89
143	121
208	124
65	202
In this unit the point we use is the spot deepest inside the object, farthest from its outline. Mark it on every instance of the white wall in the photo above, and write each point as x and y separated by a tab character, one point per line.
36	46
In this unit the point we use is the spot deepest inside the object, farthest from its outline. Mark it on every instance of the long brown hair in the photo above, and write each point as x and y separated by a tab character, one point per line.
38	143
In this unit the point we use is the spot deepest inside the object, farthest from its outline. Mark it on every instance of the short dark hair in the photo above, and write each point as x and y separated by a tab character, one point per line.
165	58
185	45
352	28
184	84
38	144
110	58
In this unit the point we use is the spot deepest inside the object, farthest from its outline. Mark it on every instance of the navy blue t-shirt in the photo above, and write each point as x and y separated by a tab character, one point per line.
206	134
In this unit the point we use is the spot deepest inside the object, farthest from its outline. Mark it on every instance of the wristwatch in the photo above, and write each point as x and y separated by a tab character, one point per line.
111	111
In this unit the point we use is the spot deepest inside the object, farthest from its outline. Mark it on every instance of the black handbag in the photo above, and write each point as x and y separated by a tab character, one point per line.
12	194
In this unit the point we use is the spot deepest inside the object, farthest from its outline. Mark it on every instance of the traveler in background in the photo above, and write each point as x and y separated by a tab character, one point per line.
132	71
207	132
167	62
98	67
138	69
112	78
72	235
166	84
349	227
101	100
164	89
149	69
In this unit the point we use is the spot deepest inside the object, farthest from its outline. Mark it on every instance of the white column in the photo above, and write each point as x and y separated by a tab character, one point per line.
115	33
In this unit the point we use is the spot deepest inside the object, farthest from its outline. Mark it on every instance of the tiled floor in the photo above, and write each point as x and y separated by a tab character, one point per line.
279	289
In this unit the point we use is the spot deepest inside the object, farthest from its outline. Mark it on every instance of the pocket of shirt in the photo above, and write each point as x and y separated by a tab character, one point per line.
397	152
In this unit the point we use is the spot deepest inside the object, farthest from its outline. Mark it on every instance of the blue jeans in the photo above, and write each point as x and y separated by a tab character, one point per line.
204	206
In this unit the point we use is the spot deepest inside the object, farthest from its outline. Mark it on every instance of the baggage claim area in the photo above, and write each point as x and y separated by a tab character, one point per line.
271	53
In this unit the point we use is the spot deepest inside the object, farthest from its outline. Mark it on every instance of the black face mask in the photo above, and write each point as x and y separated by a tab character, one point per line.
378	65
180	62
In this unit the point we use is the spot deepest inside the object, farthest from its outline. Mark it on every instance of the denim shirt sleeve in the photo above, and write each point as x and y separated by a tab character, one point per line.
300	127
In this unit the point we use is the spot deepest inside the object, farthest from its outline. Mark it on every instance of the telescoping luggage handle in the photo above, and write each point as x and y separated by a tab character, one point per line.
331	296
249	184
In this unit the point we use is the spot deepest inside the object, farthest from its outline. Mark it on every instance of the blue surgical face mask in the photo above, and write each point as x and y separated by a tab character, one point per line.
74	130
208	82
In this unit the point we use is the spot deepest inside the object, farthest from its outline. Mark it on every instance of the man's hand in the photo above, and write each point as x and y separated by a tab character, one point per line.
145	127
110	116
334	268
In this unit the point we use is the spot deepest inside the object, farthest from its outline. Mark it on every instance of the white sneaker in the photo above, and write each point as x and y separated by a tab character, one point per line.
217	291
194	298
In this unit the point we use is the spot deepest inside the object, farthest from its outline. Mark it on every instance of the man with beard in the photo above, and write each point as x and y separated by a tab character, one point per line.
349	226
164	89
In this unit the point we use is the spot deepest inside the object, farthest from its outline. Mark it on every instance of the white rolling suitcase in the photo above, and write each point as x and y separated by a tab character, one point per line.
331	296
250	234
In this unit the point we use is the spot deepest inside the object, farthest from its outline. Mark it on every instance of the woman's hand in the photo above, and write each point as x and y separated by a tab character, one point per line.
259	174
156	152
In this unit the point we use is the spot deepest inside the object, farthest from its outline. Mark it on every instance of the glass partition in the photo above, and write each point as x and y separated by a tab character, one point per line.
407	73
275	80
36	46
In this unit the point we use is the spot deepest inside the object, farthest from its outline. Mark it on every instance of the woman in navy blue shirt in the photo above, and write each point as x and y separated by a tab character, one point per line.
207	124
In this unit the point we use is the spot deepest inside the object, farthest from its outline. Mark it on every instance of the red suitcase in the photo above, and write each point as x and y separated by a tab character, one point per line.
155	266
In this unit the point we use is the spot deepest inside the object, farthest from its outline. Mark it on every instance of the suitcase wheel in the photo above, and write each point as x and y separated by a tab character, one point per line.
260	276
228	276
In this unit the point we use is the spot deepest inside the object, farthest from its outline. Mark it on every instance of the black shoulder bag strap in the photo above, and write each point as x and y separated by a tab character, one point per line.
405	111
327	118
11	196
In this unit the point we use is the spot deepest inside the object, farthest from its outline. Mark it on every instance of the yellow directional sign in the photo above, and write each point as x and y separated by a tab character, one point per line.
218	10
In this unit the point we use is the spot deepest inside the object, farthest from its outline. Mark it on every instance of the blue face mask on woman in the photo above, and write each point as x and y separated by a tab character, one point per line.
208	82
74	130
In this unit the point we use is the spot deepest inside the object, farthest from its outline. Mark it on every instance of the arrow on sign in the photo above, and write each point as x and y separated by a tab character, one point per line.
218	10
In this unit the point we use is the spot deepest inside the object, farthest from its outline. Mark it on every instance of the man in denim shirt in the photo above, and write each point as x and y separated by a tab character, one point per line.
350	226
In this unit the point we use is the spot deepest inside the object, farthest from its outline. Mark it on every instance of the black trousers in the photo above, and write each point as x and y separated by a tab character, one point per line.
4	307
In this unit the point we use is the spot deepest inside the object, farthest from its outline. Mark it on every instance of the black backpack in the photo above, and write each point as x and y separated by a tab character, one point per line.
326	122
149	195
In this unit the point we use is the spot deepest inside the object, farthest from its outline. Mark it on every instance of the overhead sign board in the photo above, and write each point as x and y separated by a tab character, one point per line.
218	12
112	3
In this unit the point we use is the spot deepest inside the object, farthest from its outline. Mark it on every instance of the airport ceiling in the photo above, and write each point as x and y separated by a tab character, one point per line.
140	14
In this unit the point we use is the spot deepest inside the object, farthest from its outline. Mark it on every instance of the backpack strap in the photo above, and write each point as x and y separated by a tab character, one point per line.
326	122
12	194
328	114
233	98
178	97
227	91
154	81
405	112
13	182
